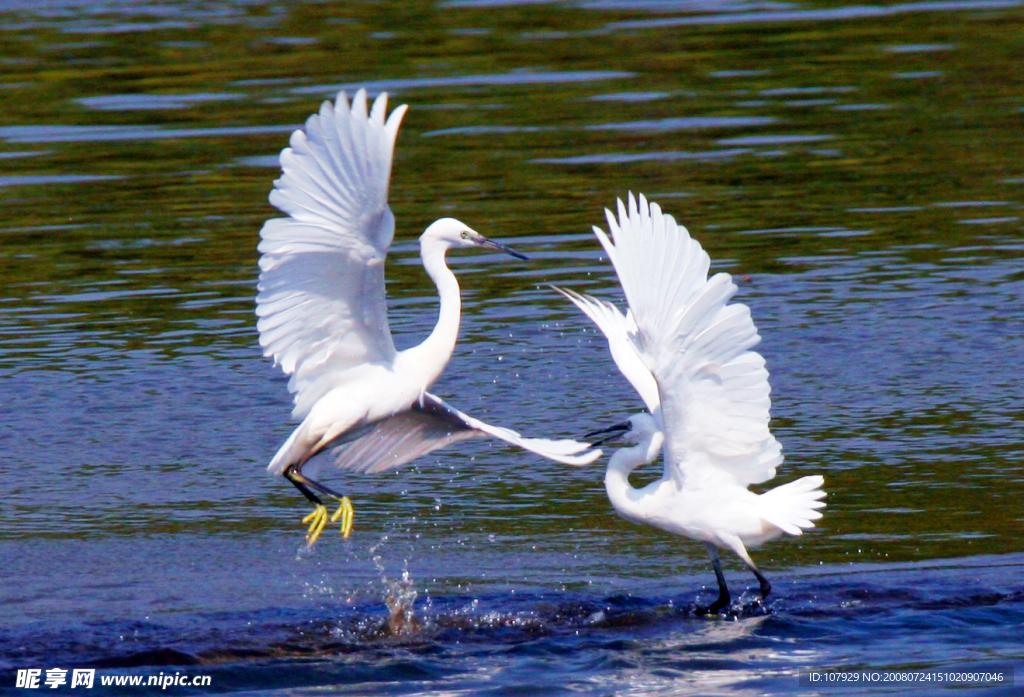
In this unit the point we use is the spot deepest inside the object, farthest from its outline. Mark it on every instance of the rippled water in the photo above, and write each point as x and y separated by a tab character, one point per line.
856	167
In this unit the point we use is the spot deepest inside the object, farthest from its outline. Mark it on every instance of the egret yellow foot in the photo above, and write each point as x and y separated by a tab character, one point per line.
346	514
318	519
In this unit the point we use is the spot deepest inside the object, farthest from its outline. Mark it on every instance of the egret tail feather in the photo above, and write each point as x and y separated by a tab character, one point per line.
793	507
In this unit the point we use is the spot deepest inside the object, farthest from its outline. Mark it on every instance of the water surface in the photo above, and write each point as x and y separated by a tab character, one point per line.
855	167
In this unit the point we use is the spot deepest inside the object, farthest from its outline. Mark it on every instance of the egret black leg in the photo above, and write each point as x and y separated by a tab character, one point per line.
766	587
318	519
302	482
723	590
296	478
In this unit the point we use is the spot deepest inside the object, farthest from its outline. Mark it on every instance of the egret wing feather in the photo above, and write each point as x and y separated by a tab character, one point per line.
566	450
623	342
321	300
400	439
713	388
431	424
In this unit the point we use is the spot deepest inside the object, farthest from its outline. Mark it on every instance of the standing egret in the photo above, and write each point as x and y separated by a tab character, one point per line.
687	353
323	316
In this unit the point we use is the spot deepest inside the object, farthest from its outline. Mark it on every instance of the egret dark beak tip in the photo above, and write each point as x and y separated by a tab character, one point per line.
502	248
612	432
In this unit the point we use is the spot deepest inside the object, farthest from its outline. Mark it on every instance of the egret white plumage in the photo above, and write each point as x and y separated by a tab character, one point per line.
687	352
323	315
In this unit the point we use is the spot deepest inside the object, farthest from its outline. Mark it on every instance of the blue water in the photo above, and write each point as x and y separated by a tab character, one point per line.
855	167
963	616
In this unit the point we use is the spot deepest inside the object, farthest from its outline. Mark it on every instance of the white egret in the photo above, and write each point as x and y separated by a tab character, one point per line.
687	353
323	316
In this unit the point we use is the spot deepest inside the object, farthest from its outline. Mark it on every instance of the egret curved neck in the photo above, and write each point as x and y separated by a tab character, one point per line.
624	496
432	355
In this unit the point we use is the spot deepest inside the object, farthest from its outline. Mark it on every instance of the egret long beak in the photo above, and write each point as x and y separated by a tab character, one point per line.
616	431
484	242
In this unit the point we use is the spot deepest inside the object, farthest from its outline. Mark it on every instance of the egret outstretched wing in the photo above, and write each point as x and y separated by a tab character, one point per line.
321	302
713	389
624	344
431	424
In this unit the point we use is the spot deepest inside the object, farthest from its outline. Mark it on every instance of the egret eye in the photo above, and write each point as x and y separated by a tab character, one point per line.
465	235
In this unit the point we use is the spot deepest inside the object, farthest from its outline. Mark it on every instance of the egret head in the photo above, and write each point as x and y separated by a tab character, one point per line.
449	232
638	428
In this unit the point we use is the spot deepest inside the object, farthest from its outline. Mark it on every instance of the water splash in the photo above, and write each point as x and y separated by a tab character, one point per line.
399	597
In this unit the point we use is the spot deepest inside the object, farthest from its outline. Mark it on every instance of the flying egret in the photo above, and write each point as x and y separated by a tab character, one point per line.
687	353
323	316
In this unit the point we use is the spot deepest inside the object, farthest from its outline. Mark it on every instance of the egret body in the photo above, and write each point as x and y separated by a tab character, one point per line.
323	314
687	352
